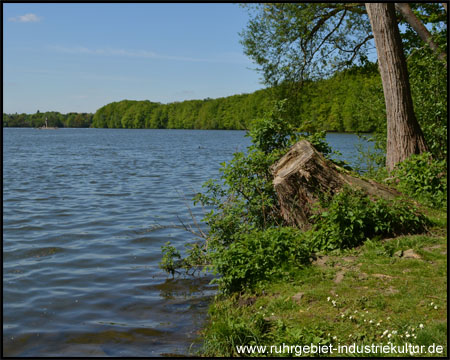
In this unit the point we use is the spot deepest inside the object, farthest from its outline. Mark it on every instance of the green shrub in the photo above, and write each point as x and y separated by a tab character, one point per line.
196	258
244	199
423	178
171	259
272	132
428	80
248	241
352	217
258	256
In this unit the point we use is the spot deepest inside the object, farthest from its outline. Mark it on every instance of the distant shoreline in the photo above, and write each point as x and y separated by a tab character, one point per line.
59	128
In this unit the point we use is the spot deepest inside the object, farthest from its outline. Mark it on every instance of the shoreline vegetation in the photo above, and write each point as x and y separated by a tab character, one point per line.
368	271
391	293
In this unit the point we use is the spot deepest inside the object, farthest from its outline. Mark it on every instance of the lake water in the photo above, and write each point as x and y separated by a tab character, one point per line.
85	213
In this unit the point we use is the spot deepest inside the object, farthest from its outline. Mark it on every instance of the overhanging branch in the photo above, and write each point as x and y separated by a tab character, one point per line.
420	29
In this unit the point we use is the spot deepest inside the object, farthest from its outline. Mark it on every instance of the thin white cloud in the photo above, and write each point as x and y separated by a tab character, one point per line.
184	93
106	52
229	58
122	52
92	76
26	18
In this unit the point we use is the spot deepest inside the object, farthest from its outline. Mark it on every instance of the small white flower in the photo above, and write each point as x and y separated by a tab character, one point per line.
350	317
412	329
342	315
431	303
333	302
365	320
350	335
272	314
337	295
334	337
328	334
388	318
371	321
401	336
260	307
385	332
435	307
367	311
414	336
407	335
378	324
421	326
394	332
389	336
355	311
328	298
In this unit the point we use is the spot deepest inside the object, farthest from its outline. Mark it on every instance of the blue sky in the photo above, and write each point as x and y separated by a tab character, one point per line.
78	57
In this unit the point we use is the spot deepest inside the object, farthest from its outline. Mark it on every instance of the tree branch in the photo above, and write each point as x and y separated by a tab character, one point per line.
421	30
356	48
329	34
322	21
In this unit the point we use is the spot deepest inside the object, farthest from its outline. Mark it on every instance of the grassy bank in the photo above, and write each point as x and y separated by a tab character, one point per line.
388	291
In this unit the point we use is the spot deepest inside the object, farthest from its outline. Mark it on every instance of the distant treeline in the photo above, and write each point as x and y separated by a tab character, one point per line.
232	112
350	101
54	119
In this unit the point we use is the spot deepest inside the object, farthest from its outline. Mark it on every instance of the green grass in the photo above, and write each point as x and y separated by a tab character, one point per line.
366	295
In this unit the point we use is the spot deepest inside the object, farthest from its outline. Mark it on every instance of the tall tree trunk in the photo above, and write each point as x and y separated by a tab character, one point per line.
404	136
421	30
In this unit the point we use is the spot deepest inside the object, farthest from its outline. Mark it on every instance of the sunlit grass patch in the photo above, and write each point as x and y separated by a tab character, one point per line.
381	298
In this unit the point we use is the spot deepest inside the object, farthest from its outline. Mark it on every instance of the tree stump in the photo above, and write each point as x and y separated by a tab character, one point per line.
303	176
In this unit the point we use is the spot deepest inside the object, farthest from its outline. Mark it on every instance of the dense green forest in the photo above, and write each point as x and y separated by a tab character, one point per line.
232	112
349	101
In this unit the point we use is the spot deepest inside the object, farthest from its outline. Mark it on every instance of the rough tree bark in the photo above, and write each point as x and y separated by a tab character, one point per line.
421	30
404	135
303	176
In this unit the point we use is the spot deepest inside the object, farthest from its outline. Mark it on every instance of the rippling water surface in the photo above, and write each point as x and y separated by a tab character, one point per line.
85	212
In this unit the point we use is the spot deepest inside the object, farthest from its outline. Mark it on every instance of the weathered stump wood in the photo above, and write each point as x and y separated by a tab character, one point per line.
303	175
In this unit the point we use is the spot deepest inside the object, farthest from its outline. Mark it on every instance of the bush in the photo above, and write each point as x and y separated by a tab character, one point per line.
428	80
423	178
244	199
248	241
272	132
352	217
170	261
259	256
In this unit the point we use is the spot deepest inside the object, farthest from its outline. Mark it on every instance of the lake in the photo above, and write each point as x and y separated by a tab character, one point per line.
85	213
